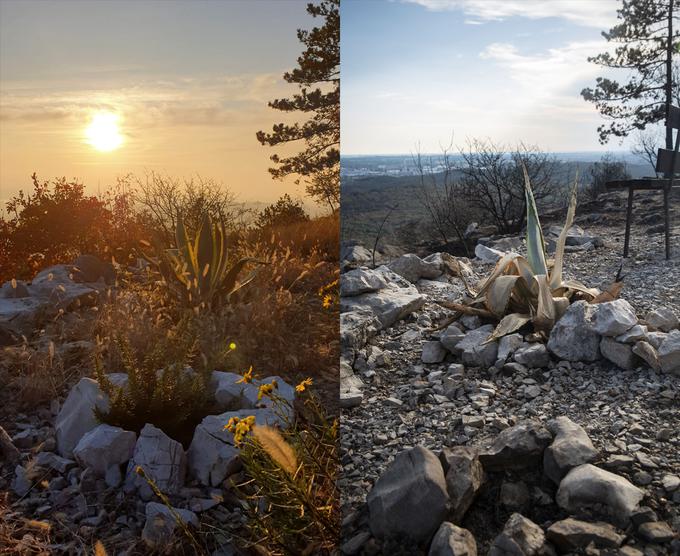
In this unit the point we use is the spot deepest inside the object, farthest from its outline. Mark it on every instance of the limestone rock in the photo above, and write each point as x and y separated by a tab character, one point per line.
669	353
212	455
451	337
451	540
534	356
361	280
77	414
433	352
573	338
410	497
508	345
572	535
520	537
620	354
589	487
105	446
647	353
613	317
663	319
516	447
464	477
161	523
350	386
570	448
476	353
487	254
162	459
413	268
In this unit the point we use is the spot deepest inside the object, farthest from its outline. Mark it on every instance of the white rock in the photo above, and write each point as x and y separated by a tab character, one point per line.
77	416
105	446
570	448
161	523
212	455
451	338
534	356
474	352
663	319
573	338
507	345
646	352
589	487
433	352
351	386
612	318
656	338
487	254
413	268
637	332
162	459
361	280
394	302
620	354
669	353
451	540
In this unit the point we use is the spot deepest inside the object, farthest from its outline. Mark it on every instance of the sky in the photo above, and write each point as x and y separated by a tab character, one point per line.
187	83
416	73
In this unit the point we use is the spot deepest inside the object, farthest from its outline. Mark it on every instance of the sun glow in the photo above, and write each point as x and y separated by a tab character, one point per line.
103	132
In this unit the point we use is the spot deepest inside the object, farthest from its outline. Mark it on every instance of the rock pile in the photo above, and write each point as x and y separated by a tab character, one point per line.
84	462
425	498
448	391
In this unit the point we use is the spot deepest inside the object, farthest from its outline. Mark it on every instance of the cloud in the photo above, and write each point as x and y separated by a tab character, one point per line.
219	101
588	13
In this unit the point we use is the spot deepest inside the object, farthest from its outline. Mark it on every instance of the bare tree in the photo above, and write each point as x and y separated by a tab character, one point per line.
608	168
493	182
161	198
440	196
646	144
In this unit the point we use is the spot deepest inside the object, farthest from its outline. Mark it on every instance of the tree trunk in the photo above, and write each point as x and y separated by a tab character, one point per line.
669	75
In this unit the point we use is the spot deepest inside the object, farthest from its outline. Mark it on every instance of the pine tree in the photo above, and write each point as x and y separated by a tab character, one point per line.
318	78
646	45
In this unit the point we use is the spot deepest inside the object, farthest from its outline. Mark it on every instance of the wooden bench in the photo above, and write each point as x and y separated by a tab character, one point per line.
667	164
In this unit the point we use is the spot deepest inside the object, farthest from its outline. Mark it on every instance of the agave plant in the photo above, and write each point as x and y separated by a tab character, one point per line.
198	270
529	289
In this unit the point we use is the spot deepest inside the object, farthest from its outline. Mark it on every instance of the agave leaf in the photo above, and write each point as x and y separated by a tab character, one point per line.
577	286
556	274
501	267
498	295
545	313
229	281
535	243
508	324
205	247
561	306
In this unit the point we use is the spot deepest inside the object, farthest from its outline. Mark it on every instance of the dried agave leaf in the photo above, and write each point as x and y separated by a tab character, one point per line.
577	286
500	269
561	306
556	274
508	324
498	296
545	313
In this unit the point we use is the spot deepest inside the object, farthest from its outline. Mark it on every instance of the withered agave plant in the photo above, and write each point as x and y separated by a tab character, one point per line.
198	270
522	290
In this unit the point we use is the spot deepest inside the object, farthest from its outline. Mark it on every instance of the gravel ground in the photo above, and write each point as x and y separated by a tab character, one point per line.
632	417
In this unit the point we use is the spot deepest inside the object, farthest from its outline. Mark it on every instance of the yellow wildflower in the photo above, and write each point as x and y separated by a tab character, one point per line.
247	377
240	427
266	389
327	301
232	346
303	385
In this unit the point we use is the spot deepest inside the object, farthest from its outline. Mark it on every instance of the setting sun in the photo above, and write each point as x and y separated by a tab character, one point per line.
103	132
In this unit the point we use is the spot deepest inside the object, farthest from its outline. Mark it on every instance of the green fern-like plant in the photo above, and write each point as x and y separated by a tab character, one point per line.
198	269
160	390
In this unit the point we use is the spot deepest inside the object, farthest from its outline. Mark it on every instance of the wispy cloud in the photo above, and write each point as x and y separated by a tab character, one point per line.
215	101
589	13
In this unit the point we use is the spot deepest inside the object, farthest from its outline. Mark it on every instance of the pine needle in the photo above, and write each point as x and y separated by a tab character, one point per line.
277	448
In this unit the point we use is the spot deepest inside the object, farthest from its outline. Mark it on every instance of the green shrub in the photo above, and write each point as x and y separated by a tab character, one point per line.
292	500
160	389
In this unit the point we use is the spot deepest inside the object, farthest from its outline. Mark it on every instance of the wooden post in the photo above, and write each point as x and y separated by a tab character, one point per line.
629	218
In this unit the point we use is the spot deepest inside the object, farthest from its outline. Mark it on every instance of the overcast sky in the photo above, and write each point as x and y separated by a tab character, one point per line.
189	80
511	70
